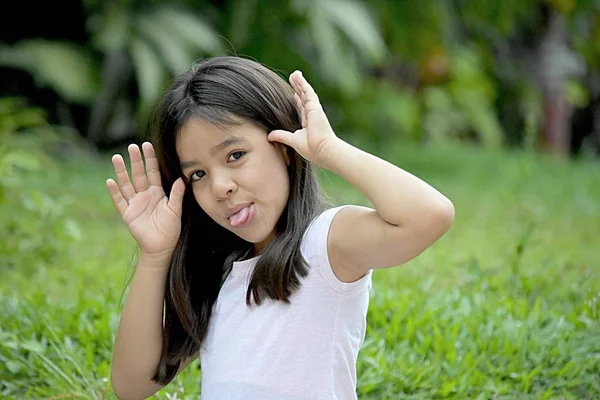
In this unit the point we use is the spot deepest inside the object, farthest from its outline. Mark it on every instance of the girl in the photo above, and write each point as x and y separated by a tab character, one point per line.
256	274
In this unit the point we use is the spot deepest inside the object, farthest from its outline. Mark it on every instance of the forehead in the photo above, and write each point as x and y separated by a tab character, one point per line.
197	138
202	132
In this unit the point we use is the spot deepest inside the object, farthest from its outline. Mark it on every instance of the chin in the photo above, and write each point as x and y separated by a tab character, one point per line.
253	237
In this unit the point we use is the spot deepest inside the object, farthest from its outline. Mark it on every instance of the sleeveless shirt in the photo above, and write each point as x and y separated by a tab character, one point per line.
303	350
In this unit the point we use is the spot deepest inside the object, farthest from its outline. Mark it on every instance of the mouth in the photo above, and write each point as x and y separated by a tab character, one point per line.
243	216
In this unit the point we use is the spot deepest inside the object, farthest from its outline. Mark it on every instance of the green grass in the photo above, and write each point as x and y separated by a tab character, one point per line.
504	306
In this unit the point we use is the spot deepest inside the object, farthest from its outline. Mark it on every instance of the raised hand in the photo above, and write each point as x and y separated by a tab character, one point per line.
153	219
316	134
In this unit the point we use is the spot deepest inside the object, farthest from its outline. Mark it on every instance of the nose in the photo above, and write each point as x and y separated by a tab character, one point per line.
223	185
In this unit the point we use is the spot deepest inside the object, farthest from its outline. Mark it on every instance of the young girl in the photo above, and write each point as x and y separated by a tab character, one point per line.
244	264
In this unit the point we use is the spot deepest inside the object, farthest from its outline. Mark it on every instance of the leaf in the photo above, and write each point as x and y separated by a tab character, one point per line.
114	33
338	65
242	16
72	229
11	344
186	25
33	346
20	159
13	366
173	53
149	73
353	18
64	67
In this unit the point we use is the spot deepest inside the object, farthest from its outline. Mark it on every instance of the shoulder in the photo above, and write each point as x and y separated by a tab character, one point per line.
322	237
343	224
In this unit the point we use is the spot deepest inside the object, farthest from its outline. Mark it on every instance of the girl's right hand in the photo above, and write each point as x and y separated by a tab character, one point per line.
153	219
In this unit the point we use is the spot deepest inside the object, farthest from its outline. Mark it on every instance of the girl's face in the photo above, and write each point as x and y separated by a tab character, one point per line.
235	169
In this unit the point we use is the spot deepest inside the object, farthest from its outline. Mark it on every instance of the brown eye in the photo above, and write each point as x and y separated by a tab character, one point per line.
196	176
237	155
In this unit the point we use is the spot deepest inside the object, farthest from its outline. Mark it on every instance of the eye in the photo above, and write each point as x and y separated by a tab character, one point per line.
236	155
196	176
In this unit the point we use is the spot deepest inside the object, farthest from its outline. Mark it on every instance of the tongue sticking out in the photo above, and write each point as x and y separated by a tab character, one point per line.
240	217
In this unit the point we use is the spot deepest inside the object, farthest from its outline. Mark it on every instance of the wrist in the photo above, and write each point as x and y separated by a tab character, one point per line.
331	153
158	260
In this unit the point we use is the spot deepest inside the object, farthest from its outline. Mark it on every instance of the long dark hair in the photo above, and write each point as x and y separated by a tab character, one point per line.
224	91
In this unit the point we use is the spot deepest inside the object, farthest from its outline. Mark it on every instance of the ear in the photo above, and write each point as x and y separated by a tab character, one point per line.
284	152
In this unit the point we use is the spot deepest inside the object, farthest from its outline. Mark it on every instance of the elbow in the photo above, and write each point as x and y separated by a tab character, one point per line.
123	393
443	216
125	389
120	387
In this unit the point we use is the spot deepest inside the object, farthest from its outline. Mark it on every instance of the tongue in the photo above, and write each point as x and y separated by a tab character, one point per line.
240	217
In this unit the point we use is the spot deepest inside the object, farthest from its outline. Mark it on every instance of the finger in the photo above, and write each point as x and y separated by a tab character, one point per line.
300	109
125	186
116	196
297	88
138	172
175	202
308	104
306	88
281	136
151	164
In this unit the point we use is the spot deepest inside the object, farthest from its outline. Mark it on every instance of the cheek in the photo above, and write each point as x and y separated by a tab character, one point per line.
197	196
279	183
202	201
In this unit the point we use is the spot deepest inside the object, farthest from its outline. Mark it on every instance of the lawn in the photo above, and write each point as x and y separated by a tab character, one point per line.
504	306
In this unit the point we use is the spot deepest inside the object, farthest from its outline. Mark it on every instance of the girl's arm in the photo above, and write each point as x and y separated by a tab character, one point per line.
138	344
155	223
409	214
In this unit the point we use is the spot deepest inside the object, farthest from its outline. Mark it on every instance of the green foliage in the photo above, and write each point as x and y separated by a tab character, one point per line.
504	306
64	67
141	45
464	104
485	339
343	33
63	352
461	69
160	40
34	226
490	17
421	29
460	107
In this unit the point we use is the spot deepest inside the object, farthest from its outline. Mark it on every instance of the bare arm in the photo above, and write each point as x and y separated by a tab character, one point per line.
155	223
138	344
409	216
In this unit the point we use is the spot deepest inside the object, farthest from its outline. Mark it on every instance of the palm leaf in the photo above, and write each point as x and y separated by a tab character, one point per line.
353	18
113	31
61	66
149	73
191	28
168	46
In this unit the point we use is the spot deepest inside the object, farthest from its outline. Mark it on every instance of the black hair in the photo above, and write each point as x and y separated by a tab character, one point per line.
226	91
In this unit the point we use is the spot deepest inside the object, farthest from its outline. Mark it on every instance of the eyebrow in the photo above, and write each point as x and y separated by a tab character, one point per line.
230	141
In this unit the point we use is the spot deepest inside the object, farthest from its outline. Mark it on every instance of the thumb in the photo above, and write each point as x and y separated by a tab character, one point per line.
176	198
281	136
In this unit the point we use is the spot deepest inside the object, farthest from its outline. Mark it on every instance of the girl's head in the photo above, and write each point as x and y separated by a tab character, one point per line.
211	129
213	132
233	167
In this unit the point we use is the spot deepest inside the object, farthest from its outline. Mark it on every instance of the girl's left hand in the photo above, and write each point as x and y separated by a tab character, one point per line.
316	135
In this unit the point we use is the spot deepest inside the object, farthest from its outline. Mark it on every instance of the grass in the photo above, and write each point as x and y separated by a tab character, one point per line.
504	306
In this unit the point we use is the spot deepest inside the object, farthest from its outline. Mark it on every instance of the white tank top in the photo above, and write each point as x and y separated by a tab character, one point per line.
304	350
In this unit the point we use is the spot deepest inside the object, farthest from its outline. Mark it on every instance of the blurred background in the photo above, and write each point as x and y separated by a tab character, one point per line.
518	73
495	103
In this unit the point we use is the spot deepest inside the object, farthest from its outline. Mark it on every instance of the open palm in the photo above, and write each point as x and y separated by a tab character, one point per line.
153	219
310	141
